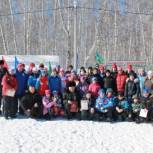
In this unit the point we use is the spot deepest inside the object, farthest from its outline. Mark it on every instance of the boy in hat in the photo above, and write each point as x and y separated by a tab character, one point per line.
71	99
122	107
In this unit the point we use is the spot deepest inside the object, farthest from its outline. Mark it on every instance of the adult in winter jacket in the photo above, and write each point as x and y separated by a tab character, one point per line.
121	80
3	71
98	76
31	103
130	70
132	87
109	81
22	79
42	83
114	71
9	84
141	77
55	83
32	80
148	83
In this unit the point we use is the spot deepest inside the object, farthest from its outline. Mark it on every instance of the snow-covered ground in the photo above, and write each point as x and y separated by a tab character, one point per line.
62	136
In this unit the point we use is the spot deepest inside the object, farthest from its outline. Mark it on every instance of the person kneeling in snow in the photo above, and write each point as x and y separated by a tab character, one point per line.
47	104
71	99
87	107
122	107
136	107
58	105
31	103
104	105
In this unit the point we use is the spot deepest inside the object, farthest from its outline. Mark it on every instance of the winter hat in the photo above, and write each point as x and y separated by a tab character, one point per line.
101	91
129	66
114	66
121	94
47	92
71	84
135	97
55	92
109	90
94	79
108	71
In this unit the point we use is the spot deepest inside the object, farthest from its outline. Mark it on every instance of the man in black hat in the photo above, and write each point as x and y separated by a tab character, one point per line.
3	71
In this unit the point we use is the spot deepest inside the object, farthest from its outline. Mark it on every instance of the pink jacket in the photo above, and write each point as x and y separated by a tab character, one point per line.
94	89
47	104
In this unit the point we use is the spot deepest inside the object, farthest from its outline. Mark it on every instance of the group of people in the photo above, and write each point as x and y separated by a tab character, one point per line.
95	93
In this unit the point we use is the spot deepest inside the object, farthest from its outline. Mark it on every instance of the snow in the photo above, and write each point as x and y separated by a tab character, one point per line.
62	136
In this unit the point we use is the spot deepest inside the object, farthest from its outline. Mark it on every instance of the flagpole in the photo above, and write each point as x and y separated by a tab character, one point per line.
75	34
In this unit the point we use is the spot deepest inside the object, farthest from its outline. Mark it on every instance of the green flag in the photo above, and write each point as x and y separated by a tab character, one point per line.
49	68
99	58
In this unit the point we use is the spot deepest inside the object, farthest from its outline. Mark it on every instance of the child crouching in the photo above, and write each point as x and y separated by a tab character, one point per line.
122	108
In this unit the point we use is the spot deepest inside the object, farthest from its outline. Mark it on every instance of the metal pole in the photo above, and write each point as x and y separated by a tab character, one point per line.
75	35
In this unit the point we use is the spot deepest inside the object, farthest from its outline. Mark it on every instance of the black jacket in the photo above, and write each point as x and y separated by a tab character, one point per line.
132	88
28	101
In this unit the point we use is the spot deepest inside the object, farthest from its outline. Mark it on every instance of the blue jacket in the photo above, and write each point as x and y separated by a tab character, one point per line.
22	83
32	81
103	103
123	104
55	83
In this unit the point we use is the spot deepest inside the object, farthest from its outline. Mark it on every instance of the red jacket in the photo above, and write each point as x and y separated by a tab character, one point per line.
42	85
94	89
8	82
121	81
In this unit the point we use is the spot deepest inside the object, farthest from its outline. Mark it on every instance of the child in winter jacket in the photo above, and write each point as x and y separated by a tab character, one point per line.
87	107
83	86
132	87
42	83
58	104
47	104
122	107
104	106
71	99
136	107
94	88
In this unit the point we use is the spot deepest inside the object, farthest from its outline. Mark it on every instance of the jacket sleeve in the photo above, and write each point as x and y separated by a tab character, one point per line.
126	105
108	105
47	104
37	84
